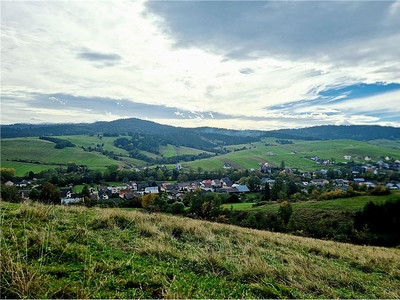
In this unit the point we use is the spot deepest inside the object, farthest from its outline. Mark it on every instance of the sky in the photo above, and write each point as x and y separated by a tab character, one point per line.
229	64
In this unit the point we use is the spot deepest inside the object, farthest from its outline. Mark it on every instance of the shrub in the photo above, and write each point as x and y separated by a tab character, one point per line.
177	208
380	190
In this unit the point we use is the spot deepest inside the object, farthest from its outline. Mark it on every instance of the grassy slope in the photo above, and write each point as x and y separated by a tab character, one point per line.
74	252
33	149
22	168
336	149
170	150
344	204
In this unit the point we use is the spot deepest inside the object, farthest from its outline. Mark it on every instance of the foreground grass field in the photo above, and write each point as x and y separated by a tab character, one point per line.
75	252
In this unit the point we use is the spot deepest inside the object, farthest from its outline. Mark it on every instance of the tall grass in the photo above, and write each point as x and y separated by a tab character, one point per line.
74	252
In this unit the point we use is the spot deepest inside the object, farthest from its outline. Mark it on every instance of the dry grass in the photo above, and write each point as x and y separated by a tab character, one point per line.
74	252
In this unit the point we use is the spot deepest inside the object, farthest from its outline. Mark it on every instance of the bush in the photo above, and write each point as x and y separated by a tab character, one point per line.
380	190
177	208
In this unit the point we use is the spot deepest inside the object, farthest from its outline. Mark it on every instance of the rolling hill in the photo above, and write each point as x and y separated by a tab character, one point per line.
134	142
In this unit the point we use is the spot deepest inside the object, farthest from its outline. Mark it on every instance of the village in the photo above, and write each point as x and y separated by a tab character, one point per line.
385	172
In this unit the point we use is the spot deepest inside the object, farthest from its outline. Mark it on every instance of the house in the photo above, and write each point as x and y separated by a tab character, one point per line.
340	182
358	180
113	189
206	184
393	185
132	185
184	186
315	158
151	190
178	166
231	190
269	153
319	182
367	158
23	183
216	183
169	187
241	188
66	193
226	182
9	183
347	157
124	192
67	201
94	197
265	168
227	166
369	184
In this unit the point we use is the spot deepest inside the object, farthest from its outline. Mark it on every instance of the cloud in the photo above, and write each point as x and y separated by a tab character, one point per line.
246	71
96	56
57	100
242	64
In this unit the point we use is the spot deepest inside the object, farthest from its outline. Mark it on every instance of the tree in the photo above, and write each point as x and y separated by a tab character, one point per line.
282	165
50	194
9	194
285	211
7	174
34	195
149	200
278	189
86	192
291	187
253	183
267	191
177	208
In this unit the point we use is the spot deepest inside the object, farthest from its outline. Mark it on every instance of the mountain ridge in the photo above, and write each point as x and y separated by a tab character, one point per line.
130	125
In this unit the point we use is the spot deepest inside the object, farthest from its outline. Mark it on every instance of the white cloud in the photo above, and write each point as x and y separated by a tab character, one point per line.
138	51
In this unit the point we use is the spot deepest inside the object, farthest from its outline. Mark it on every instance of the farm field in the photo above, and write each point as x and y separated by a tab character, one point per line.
77	252
171	150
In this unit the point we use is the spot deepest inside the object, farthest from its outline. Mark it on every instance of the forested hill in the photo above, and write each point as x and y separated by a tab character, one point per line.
211	136
354	132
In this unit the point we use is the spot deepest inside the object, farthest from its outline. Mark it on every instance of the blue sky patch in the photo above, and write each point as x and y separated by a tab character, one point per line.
360	90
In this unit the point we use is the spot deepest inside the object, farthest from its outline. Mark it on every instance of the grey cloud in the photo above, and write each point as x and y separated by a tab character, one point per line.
246	71
252	29
118	107
97	56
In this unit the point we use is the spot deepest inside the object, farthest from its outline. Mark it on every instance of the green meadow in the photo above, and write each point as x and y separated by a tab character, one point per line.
34	154
336	149
30	153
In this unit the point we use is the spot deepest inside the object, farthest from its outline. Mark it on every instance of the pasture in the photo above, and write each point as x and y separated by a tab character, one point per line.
296	155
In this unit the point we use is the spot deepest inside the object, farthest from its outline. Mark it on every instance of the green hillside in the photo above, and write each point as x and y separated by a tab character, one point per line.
37	152
33	154
76	252
336	149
